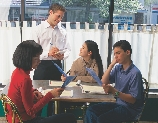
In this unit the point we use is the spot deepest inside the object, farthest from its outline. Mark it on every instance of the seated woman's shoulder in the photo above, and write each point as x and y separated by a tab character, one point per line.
78	59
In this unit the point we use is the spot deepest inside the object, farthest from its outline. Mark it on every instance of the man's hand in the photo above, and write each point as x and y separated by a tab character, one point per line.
52	51
56	92
37	95
108	88
59	56
63	78
113	62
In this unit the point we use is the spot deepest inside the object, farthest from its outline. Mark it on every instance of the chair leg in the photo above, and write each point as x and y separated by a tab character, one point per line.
13	118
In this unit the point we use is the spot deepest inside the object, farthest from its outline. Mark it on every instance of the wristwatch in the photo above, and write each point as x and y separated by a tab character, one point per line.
116	94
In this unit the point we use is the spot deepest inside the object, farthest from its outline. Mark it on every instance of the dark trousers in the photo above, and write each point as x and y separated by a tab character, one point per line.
47	71
60	118
107	112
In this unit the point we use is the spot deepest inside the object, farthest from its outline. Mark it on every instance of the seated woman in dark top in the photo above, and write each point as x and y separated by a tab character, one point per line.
28	100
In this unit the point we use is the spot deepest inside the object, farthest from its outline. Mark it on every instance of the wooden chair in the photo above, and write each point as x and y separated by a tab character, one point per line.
7	101
146	90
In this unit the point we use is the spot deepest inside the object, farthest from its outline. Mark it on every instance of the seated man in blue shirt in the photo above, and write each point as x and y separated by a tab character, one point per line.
128	89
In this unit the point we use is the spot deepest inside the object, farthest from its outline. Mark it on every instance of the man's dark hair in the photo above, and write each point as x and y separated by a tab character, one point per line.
56	6
123	44
25	51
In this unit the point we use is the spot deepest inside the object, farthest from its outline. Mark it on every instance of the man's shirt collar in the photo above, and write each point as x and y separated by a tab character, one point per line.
128	69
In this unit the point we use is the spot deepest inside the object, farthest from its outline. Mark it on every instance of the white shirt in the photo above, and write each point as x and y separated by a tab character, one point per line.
47	37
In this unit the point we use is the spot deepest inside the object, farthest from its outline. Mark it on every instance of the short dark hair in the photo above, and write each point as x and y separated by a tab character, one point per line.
25	51
123	44
56	6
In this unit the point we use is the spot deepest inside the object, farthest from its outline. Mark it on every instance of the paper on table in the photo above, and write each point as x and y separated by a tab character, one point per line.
66	93
60	70
95	77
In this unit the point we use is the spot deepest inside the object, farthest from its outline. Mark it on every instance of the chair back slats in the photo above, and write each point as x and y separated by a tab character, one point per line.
146	88
146	91
7	101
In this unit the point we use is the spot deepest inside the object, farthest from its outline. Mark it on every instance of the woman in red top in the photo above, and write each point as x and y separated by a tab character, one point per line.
25	58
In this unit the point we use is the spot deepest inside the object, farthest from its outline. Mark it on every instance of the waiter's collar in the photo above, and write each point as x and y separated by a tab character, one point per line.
47	25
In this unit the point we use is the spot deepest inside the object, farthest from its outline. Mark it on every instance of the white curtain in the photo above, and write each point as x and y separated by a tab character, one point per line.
144	45
26	31
153	79
78	36
9	39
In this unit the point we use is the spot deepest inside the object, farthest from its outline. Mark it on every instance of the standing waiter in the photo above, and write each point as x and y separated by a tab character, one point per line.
53	38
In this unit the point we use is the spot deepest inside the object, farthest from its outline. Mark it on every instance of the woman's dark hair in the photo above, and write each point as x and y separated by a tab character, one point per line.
123	44
93	47
25	51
